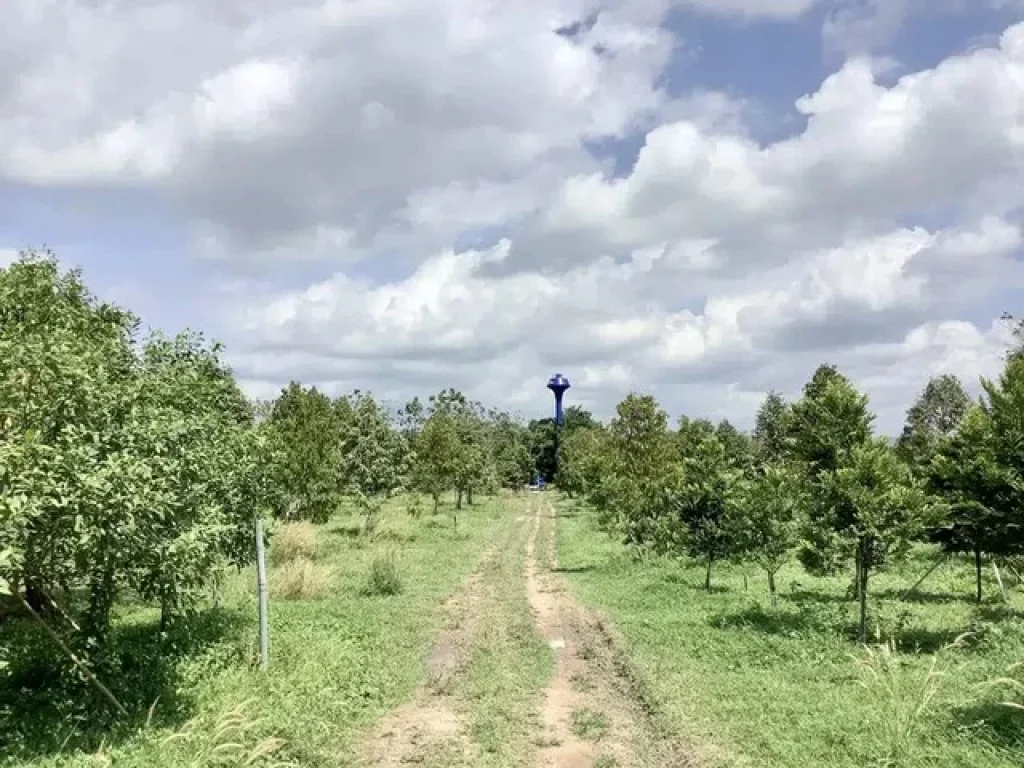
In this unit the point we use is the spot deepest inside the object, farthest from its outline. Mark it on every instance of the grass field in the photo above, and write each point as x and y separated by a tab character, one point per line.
453	668
338	661
787	689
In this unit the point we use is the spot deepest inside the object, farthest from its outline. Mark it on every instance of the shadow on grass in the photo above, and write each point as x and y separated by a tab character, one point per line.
831	620
922	640
758	619
994	723
997	612
815	597
923	598
46	707
351	531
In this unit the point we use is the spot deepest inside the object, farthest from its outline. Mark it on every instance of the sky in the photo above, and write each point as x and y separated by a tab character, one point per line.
698	199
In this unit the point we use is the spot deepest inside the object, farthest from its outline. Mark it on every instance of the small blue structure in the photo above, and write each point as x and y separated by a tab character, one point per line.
537	484
558	384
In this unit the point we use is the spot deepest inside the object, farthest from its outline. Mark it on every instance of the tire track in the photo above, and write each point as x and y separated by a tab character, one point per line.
428	730
590	712
584	719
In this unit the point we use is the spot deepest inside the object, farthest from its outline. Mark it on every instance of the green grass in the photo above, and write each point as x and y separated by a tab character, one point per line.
789	688
338	662
509	667
589	724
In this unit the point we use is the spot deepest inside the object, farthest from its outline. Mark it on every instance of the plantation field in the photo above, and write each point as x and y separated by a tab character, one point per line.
528	637
478	655
787	688
339	660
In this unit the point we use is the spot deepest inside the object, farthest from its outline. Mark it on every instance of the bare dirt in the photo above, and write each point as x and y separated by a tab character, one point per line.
584	714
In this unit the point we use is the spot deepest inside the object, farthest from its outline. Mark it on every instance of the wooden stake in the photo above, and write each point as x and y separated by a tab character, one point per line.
261	586
77	662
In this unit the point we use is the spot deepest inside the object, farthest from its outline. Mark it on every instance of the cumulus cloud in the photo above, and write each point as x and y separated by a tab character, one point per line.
349	137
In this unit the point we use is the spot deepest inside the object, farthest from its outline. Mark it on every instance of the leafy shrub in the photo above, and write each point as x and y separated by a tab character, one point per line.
414	506
293	541
383	578
300	579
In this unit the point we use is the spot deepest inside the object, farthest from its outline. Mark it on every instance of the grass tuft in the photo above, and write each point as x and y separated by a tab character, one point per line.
292	541
234	738
383	579
589	724
300	579
904	699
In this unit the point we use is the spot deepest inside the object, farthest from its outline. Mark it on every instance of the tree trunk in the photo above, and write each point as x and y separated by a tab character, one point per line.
437	501
772	591
857	575
469	496
862	591
96	622
458	498
707	575
35	597
977	573
165	613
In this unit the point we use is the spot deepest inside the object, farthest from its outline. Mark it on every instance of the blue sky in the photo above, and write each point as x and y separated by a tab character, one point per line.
408	198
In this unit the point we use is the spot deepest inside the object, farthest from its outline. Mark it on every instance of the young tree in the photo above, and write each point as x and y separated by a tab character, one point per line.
509	453
828	421
978	491
193	429
1004	407
642	462
411	419
706	507
583	456
884	509
691	434
771	506
437	456
68	479
738	446
935	414
542	437
117	467
306	426
373	455
826	426
771	428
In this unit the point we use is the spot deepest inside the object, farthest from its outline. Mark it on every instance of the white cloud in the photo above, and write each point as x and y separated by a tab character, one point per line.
621	327
345	138
869	158
772	9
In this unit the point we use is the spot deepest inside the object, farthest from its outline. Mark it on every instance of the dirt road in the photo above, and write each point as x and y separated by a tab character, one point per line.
476	708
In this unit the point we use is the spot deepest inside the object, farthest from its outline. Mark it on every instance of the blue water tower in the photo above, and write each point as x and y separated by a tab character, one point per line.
558	384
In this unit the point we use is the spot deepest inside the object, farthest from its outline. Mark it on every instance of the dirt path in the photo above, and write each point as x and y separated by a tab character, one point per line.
588	719
428	731
587	715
